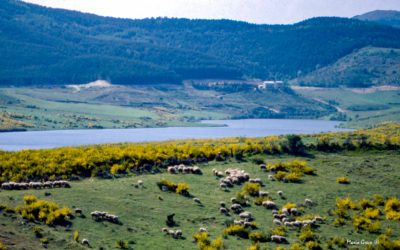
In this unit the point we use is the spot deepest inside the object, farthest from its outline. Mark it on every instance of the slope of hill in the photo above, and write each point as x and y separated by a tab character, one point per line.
365	67
51	46
388	17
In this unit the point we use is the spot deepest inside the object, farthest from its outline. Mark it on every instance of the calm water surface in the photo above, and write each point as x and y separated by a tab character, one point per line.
15	141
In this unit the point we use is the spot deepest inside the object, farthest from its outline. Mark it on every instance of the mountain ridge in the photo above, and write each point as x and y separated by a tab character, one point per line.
39	43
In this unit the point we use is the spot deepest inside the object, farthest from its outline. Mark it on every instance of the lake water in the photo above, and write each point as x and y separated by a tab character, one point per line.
14	141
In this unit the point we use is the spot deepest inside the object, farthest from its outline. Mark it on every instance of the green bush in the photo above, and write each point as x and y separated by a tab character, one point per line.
280	175
38	231
306	234
43	211
205	244
342	180
258	237
251	188
238	230
122	244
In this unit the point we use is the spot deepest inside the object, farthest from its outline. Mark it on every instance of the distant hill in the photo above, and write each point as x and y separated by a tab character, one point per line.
41	45
387	17
362	68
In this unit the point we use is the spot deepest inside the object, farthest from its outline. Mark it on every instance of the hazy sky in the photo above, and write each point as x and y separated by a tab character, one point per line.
254	11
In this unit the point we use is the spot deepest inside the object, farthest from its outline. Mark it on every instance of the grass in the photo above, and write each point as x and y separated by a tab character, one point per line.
143	213
141	106
360	109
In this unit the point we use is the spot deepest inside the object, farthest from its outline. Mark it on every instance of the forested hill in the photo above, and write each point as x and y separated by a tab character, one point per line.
41	45
388	17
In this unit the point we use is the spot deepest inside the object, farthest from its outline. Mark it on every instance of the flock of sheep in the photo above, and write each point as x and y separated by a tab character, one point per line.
34	185
98	215
184	169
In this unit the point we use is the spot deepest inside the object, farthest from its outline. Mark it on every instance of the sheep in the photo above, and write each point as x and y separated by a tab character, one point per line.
203	229
197	200
233	200
245	215
247	224
285	220
6	185
140	183
288	224
285	211
196	170
48	184
219	174
276	238
85	242
78	211
274	212
262	166
222	204
171	232
272	169
186	170
277	216
172	170
294	211
270	177
223	210
263	193
164	230
277	222
319	219
268	204
214	171
237	208
308	202
178	233
238	222
223	185
280	193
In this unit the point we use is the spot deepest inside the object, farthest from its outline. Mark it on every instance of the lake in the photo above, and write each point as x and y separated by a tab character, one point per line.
14	141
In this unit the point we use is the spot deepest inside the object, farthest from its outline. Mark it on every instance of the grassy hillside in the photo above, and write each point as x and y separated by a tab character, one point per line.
365	67
387	17
65	47
143	210
359	107
141	106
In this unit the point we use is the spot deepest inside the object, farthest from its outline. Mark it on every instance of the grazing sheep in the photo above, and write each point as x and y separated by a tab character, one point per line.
237	208
263	193
85	242
6	185
223	210
238	222
272	169
309	202
268	204
271	177
277	216
214	171
277	222
172	170
245	215
319	219
171	232
222	204
280	193
197	200
285	211
274	212
164	230
203	229
78	211
178	233
219	174
233	200
276	238
196	170
262	166
294	211
288	224
285	220
140	183
223	185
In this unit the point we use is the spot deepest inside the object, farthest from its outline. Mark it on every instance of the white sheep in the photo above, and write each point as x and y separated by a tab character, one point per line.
203	229
197	200
308	202
280	193
178	233
85	242
277	222
222	204
140	183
